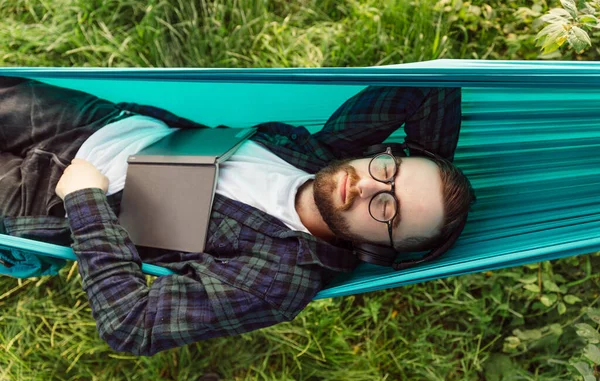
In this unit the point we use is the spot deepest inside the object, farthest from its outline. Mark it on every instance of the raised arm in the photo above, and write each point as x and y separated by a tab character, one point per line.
431	117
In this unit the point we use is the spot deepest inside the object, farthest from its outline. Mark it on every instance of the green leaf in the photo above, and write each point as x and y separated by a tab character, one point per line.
561	40
594	314
532	287
549	47
511	343
558	278
475	10
552	18
550	286
570	6
497	293
563	289
528	334
587	332
548	30
584	368
579	39
561	13
500	367
548	299
589	20
592	353
556	329
555	38
561	308
571	299
529	279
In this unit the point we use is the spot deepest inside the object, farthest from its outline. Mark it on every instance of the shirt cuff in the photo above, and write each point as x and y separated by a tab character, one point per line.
88	206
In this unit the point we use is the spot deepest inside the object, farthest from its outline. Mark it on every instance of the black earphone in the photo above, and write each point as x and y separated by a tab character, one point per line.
385	255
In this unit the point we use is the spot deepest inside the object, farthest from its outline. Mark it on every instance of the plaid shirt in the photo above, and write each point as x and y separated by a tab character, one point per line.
255	271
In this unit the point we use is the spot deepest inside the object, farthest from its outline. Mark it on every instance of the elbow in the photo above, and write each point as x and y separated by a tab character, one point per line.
121	337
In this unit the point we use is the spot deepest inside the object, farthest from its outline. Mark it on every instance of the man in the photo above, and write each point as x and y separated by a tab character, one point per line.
267	254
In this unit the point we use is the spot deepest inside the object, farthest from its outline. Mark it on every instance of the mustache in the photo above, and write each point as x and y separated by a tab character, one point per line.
352	193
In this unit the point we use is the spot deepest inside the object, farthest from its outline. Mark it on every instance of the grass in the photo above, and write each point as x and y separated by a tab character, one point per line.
453	329
231	33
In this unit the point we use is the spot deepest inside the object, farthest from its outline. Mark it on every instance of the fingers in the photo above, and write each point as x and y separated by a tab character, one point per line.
80	174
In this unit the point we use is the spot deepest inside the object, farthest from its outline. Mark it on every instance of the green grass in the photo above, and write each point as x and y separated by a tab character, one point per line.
452	329
232	33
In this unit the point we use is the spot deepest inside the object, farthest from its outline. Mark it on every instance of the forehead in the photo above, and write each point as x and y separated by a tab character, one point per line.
419	190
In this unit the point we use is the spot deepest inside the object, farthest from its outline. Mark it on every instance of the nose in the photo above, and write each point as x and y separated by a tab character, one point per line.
367	187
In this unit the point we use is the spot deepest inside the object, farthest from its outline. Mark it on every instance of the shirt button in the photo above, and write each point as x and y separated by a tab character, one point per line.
294	136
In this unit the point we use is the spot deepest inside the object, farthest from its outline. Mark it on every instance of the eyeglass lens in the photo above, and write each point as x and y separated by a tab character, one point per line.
383	206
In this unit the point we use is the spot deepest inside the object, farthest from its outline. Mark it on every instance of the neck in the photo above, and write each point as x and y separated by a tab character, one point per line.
309	213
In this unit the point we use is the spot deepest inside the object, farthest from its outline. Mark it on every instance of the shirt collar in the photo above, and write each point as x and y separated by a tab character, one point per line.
311	250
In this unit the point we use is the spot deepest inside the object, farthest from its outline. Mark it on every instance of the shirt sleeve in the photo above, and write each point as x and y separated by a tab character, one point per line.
431	117
175	310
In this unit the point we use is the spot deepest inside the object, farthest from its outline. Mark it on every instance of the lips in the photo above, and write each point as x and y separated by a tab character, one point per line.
343	187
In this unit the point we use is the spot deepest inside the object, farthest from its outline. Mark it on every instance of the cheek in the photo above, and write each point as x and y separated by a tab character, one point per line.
361	223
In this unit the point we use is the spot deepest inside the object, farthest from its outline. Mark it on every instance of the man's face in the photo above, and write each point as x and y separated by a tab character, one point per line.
343	190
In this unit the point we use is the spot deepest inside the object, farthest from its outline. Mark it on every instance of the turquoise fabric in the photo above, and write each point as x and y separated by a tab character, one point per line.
21	264
25	264
529	143
44	258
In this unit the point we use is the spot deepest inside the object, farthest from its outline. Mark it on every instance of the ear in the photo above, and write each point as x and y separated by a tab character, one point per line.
386	256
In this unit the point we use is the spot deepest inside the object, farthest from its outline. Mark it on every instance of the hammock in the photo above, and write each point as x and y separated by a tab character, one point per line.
529	143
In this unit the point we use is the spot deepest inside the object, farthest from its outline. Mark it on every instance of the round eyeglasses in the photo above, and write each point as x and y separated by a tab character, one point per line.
384	205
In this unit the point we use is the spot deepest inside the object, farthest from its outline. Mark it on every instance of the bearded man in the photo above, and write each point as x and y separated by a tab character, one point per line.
289	209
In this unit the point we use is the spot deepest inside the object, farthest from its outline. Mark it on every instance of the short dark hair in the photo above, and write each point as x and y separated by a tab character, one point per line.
458	196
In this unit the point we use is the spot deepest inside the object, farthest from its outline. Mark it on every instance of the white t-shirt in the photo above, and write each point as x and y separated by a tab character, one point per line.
252	175
109	147
258	177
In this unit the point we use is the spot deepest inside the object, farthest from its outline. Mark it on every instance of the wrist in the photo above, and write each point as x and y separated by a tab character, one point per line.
87	206
77	189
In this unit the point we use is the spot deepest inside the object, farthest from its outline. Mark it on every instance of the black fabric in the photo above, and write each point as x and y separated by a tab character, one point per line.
38	140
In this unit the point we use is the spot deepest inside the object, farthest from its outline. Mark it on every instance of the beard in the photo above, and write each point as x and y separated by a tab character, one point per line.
324	187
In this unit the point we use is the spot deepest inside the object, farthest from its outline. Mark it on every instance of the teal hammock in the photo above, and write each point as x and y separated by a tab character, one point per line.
529	142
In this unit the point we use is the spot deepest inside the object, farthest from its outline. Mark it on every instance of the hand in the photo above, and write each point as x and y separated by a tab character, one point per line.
79	175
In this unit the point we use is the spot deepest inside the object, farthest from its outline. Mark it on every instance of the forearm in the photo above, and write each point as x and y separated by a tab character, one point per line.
174	311
431	117
110	269
101	244
436	122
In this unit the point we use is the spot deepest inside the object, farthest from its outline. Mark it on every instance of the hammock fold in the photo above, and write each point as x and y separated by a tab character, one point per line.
529	143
